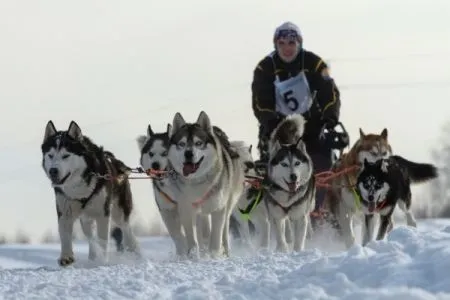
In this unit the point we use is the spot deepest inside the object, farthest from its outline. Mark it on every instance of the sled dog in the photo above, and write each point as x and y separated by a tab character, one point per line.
90	184
208	182
383	184
290	195
154	149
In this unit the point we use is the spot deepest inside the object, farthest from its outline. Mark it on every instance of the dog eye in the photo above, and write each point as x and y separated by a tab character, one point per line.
164	154
181	144
50	156
198	143
151	154
297	163
65	156
374	153
284	165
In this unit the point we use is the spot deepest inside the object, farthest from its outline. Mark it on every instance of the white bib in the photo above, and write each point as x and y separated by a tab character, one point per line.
293	96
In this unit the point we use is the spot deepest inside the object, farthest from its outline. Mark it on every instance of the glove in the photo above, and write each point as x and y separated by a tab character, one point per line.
330	123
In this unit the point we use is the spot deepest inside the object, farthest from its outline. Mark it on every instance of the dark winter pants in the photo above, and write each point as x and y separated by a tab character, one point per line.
322	162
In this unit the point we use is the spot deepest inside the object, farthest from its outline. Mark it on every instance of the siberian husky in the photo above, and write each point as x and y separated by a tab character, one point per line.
383	184
209	180
250	212
341	199
154	148
90	184
290	195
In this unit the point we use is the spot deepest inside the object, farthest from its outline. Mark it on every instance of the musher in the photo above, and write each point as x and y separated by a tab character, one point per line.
293	80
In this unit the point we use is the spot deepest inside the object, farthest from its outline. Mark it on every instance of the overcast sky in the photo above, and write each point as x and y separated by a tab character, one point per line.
115	66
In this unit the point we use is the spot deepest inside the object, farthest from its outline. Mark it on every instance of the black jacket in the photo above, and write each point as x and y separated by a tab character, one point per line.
326	105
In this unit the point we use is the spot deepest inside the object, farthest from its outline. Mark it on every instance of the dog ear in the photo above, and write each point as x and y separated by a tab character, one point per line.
361	133
74	130
274	148
384	134
366	163
301	146
178	122
149	131
169	129
250	149
50	130
204	121
141	140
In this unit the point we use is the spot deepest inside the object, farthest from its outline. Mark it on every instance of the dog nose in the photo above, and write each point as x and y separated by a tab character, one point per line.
370	197
53	172
156	166
188	155
293	177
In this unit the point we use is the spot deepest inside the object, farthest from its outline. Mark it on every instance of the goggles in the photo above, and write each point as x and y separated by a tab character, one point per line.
287	34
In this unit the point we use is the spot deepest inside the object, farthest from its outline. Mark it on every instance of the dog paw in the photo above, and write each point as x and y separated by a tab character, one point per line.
217	254
65	261
282	248
298	247
194	253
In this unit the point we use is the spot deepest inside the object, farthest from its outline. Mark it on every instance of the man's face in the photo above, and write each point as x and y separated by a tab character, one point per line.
287	48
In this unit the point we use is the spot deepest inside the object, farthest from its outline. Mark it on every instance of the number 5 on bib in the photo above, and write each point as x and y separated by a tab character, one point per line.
293	96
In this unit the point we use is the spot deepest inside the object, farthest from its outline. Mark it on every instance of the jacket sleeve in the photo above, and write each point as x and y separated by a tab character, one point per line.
263	92
329	99
328	95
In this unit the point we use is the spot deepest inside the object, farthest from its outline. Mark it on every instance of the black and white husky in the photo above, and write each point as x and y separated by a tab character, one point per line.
290	195
90	184
154	148
209	180
383	184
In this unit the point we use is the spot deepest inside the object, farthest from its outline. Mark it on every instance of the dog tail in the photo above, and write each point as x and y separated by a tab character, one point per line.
418	172
119	165
289	130
241	147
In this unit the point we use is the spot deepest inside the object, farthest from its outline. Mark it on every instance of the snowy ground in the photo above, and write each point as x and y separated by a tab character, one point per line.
410	264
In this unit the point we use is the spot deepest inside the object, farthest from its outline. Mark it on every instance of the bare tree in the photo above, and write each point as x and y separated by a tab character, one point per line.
22	237
438	204
49	238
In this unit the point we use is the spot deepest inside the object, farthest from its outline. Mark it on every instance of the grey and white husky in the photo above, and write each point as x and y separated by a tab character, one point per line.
209	180
154	148
290	195
90	184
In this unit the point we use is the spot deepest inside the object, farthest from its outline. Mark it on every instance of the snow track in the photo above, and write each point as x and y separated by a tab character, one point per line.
410	264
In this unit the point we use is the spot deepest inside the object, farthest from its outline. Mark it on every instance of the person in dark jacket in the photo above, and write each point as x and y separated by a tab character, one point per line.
293	80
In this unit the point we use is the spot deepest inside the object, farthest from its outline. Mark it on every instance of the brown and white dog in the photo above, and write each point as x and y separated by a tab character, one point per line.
341	199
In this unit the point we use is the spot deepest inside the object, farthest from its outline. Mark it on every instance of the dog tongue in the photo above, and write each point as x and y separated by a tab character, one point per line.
292	186
188	169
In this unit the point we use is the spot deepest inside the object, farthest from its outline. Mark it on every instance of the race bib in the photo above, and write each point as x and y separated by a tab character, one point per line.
293	96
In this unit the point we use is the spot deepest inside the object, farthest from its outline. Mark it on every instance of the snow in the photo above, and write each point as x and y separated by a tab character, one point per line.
409	264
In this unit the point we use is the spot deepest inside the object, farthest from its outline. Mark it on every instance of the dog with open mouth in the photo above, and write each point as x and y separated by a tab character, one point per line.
290	192
383	184
208	183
